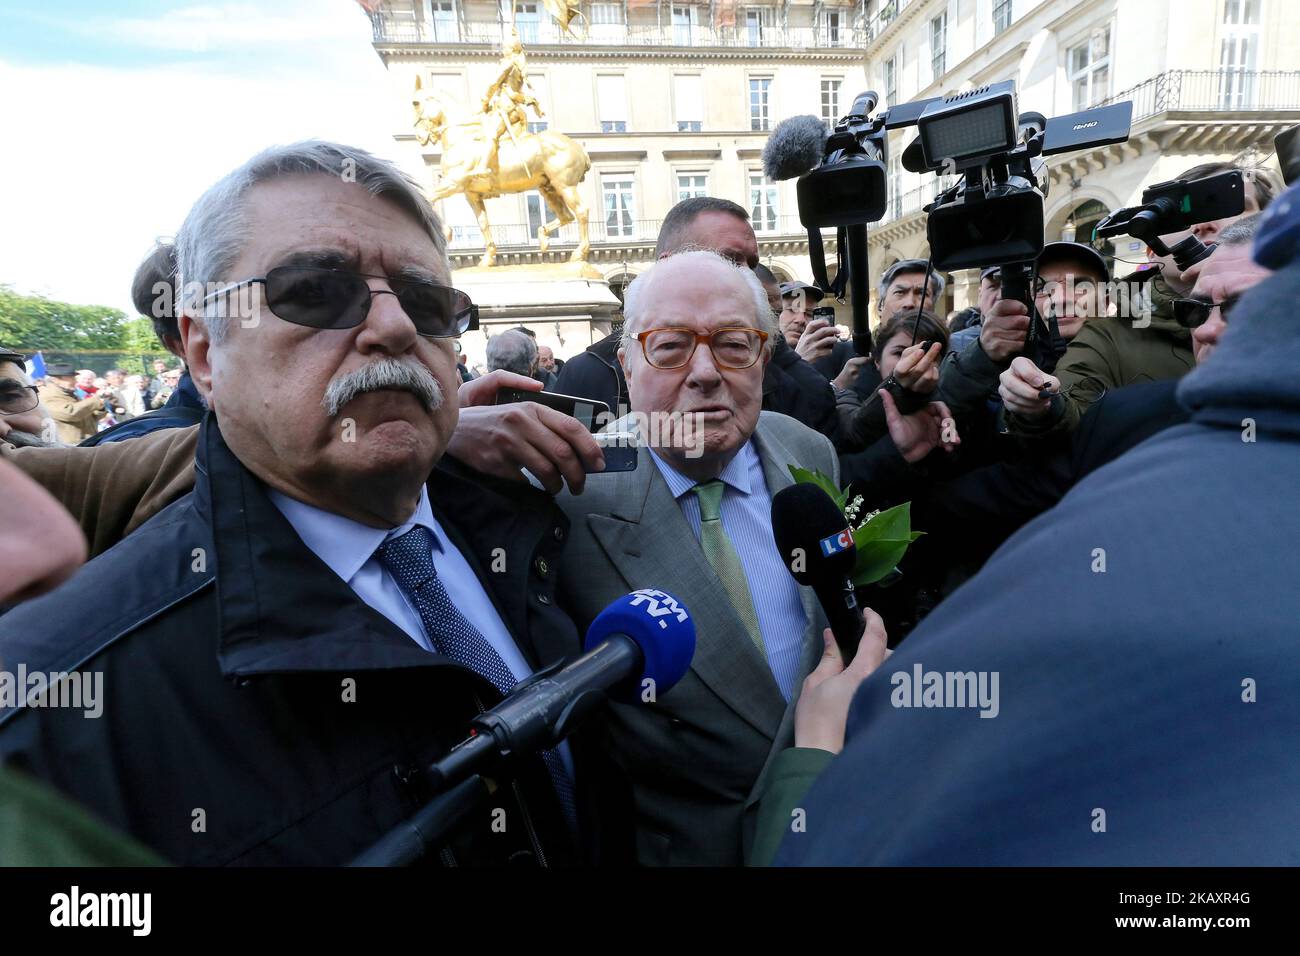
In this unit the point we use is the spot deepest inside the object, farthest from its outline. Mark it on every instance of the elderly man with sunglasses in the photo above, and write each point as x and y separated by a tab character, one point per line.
314	623
693	519
24	422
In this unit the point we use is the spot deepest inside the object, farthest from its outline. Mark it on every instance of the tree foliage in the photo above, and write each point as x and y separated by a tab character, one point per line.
34	322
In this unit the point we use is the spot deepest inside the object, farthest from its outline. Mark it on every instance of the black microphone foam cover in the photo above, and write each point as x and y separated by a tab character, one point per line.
797	145
806	522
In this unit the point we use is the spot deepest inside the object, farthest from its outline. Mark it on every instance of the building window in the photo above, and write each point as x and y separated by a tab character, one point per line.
441	17
538	82
685	19
1237	54
606	22
831	23
539	213
891	80
528	22
1001	15
757	19
690	185
939	44
688	102
762	203
1089	68
446	86
831	99
620	215
611	103
760	89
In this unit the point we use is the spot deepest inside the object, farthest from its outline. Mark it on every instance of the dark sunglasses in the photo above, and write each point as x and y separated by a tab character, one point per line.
15	399
1193	313
332	299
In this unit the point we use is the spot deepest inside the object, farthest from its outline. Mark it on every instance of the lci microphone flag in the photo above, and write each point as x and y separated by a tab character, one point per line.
835	543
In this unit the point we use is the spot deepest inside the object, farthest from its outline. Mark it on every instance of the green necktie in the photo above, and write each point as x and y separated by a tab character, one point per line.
721	554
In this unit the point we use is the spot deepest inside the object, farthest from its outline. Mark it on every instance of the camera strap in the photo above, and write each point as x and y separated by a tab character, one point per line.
817	258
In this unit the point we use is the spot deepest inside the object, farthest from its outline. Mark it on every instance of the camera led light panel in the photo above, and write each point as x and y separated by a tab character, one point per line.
975	132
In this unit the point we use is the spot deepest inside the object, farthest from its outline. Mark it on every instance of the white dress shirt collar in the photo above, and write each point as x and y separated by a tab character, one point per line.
342	543
735	475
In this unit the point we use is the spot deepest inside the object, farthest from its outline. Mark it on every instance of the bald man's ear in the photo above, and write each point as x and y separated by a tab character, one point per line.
195	344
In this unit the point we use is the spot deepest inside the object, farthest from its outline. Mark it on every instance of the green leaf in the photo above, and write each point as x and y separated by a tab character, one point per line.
895	522
877	560
804	476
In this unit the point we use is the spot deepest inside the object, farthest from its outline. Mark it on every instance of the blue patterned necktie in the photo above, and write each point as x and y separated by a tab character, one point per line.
409	559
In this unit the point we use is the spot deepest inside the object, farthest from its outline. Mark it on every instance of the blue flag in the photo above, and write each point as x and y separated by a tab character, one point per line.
36	366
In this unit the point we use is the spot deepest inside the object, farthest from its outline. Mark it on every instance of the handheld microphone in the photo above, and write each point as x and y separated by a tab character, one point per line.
796	146
643	641
817	546
645	636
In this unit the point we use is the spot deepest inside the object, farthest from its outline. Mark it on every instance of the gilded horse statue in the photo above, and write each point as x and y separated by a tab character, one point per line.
548	161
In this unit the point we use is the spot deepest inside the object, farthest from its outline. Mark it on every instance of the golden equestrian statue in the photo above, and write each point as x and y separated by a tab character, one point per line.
490	153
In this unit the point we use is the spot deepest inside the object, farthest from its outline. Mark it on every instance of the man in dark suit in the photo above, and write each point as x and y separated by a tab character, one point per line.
296	639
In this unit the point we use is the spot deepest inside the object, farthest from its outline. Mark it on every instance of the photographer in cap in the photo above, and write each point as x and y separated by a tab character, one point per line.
1071	286
821	342
965	326
1144	342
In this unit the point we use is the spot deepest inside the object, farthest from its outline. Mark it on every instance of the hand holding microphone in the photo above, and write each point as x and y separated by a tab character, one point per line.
822	713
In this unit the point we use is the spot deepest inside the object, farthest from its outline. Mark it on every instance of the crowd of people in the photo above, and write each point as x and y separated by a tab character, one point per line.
330	547
66	405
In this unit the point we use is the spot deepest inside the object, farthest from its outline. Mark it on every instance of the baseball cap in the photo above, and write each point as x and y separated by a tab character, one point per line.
811	291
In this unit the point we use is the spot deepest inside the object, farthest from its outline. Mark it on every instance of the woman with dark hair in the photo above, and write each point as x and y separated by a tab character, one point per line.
907	351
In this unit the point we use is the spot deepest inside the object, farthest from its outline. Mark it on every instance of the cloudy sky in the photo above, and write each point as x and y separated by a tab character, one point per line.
114	117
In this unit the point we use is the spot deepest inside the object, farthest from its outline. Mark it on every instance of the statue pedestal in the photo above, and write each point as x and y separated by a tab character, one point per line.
568	305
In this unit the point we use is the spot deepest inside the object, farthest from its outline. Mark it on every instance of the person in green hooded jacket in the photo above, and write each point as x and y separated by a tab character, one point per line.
1143	342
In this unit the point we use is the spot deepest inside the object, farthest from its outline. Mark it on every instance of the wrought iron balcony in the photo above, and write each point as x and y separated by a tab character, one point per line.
1211	91
389	30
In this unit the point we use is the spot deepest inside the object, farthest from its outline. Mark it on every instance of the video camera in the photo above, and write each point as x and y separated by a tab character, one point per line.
993	216
1175	206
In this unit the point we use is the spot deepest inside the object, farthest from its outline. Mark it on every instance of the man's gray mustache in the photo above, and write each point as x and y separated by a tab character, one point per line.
381	374
25	439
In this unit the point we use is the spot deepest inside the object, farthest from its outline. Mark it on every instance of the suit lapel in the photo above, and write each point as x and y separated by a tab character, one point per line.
649	542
